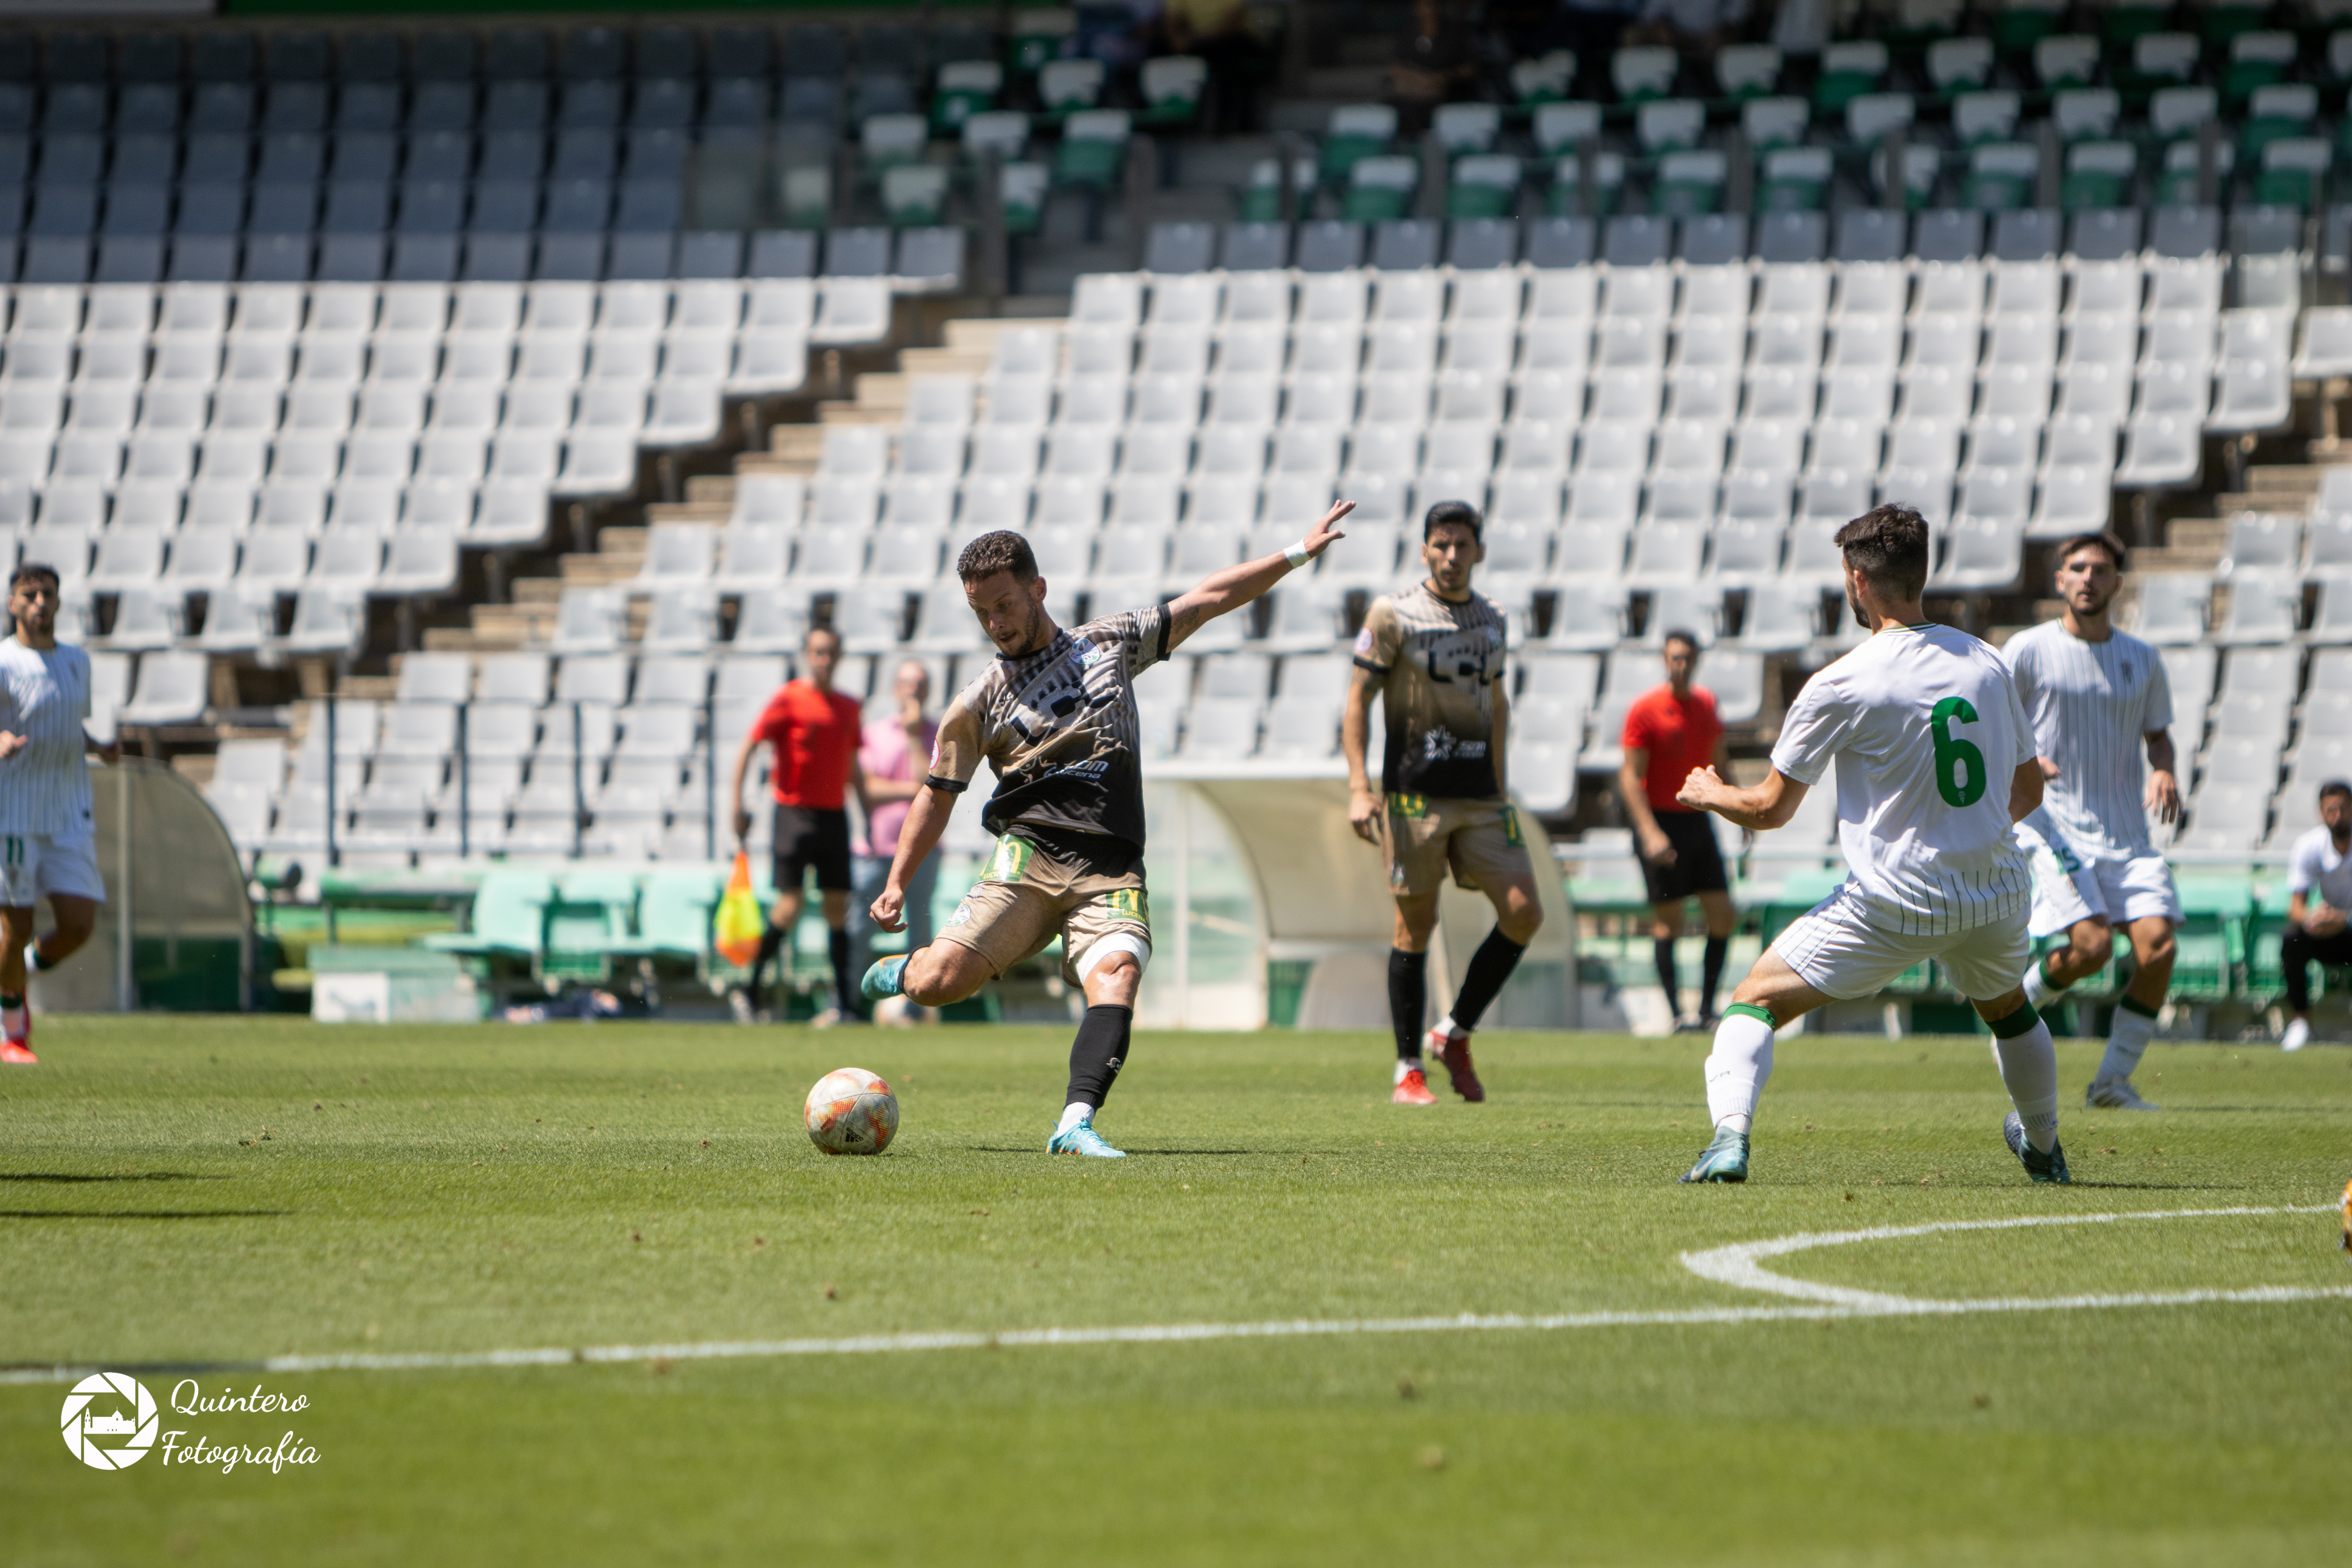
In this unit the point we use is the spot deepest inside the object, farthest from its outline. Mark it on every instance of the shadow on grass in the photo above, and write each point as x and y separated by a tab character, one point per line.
140	1176
140	1214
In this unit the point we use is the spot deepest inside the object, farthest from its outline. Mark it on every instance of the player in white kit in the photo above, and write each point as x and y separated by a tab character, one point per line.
48	831
2066	897
1934	765
2098	699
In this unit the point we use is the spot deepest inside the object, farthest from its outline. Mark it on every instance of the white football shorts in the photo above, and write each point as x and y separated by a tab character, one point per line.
2065	890
1837	952
2137	888
32	866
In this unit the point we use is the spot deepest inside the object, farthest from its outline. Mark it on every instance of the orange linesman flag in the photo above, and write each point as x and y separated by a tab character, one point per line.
740	921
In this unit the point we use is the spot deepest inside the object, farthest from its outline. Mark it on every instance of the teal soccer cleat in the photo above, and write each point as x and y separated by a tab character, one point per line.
1083	1139
2045	1169
1725	1158
882	979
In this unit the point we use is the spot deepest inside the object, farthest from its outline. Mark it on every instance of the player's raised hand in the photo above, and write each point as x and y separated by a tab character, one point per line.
1701	790
2164	795
889	907
1326	532
10	745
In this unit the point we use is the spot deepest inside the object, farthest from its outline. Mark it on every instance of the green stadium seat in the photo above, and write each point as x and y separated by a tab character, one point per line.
1562	127
1022	186
1669	125
1641	74
2086	113
1769	122
2124	24
1172	86
1748	70
1608	183
1356	131
1067	86
674	909
1871	115
2294	173
2224	22
1465	129
2066	60
1980	117
1688	183
1379	190
1918	25
2175	112
1037	38
964	89
1546	79
2001	176
1957	66
2157	60
914	195
1848	71
2276	113
1486	186
508	917
594	907
2256	59
2212	939
892	140
2098	174
1093	149
1796	179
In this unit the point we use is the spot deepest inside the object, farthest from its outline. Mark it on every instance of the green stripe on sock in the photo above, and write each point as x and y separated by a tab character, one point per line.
2016	1024
1749	1010
2133	1005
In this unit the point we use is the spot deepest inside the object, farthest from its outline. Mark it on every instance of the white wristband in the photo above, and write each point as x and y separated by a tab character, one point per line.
1297	553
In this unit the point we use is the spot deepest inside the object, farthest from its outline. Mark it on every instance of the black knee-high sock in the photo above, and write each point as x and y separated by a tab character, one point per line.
1718	948
1408	999
1663	948
1098	1052
1489	967
844	984
771	947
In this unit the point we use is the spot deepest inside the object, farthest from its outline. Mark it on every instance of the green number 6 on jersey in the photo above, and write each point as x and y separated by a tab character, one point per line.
1959	766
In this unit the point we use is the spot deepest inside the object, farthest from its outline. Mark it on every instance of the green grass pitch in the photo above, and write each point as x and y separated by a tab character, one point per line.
179	1191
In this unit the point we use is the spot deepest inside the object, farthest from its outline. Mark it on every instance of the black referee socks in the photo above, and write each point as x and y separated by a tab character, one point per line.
845	983
1098	1052
1408	1000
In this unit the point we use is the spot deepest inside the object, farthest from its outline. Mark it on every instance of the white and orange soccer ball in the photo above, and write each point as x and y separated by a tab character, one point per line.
852	1111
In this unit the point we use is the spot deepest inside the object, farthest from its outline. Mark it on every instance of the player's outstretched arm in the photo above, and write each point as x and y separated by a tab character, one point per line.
2025	790
1759	808
1230	589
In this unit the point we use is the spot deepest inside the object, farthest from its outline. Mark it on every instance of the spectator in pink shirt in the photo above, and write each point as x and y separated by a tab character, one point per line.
895	753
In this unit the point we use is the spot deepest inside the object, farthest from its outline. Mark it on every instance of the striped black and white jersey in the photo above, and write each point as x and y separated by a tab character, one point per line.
2092	705
1927	730
44	698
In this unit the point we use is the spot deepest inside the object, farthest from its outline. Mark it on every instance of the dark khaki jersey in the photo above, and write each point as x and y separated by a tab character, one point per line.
1437	663
1059	728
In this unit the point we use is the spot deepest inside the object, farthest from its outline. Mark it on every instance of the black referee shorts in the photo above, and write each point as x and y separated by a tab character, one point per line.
811	837
1698	866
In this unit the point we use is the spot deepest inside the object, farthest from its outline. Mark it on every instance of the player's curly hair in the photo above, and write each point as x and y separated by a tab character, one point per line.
1889	546
1003	551
32	570
1454	514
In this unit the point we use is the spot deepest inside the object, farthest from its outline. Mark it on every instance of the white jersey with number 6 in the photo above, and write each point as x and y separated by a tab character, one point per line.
1927	732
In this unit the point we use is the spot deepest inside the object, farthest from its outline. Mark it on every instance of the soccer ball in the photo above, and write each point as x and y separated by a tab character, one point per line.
851	1111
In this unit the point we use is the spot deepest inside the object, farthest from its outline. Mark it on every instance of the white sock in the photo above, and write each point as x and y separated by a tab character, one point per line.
1447	1027
2127	1038
1737	1069
2038	989
2029	1069
1405	1065
1074	1113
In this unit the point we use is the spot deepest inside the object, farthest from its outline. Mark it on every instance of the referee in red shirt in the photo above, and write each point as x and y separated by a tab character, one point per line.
1669	731
814	732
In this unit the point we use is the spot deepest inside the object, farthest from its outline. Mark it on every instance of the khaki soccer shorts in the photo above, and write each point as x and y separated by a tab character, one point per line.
1026	898
1422	838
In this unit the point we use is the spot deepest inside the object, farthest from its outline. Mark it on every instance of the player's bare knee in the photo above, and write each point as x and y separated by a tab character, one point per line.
1519	922
942	973
1114	982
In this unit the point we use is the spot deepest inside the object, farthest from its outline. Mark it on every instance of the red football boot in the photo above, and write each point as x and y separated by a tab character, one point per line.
1454	1050
1412	1088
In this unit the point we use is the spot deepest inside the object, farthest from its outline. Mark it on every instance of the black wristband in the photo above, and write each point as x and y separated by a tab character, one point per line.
947	786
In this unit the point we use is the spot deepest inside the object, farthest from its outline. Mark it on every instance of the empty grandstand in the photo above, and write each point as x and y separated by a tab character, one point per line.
530	390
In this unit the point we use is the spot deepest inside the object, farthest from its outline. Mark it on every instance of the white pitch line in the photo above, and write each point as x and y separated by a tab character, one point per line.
1732	1265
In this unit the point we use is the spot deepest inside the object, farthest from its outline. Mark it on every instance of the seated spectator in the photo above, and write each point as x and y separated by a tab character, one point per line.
1218	31
2321	861
1696	27
1437	62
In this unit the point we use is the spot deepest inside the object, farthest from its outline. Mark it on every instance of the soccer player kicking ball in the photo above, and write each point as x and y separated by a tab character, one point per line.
1935	763
2097	699
1434	654
48	832
1055	718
